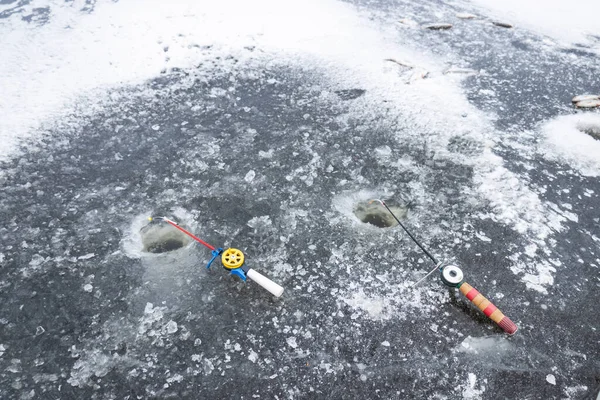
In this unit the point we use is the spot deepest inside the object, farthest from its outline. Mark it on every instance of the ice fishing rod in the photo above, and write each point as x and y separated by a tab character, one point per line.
453	276
232	260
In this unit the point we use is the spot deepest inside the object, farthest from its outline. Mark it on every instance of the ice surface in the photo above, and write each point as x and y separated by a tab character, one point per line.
485	346
260	125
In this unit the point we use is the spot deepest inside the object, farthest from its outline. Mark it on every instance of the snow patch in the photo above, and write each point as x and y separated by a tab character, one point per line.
566	22
566	140
470	390
375	307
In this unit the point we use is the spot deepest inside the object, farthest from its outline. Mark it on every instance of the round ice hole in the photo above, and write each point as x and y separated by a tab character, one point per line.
375	213
590	129
160	237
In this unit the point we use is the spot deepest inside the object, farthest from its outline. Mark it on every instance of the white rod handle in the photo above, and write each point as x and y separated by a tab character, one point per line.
265	282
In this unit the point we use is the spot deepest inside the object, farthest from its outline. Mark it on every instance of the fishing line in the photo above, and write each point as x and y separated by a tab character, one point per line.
410	234
176	225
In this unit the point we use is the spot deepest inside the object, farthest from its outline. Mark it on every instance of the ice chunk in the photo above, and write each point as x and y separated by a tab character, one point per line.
250	176
253	356
171	327
208	366
291	341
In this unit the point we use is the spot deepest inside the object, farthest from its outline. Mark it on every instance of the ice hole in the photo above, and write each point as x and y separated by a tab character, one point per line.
160	237
375	213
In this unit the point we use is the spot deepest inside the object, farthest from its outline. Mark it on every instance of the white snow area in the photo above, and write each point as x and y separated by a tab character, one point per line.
45	68
565	21
566	140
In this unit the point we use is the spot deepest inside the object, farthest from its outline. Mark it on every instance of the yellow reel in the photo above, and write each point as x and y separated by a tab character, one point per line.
232	258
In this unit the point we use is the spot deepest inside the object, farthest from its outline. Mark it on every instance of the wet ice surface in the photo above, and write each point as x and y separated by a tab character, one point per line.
271	156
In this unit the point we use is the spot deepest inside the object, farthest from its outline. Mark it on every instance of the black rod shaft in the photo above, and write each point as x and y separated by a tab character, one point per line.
410	234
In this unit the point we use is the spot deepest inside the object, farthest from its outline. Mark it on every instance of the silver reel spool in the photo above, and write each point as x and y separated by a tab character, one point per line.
452	275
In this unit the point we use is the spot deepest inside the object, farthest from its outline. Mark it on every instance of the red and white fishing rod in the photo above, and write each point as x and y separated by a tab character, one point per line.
232	260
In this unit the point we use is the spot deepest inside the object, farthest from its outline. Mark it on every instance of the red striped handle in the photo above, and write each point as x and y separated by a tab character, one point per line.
488	308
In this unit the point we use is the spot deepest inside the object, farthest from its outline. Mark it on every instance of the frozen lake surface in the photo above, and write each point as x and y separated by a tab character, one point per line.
263	126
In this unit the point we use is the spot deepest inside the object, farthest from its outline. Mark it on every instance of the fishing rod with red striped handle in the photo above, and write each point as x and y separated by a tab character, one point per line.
453	276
